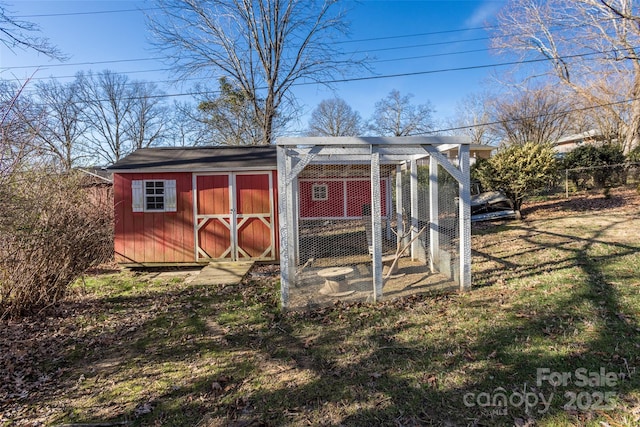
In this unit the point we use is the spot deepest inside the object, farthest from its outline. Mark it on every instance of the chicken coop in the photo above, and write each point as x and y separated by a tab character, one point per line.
365	218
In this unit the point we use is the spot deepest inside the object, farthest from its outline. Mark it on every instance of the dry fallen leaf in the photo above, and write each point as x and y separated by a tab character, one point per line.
143	409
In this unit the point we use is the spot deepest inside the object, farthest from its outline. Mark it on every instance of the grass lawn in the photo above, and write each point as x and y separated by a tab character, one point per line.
549	336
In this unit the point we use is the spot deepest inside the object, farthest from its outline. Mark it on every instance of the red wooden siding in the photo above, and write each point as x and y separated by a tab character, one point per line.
252	200
214	234
170	237
276	224
346	197
153	236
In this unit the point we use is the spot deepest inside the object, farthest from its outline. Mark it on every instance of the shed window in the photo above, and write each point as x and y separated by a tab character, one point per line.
319	192
154	195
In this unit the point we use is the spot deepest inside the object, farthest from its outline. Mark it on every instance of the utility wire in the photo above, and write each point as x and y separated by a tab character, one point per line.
384	76
115	61
394	48
359	51
408	58
537	116
95	12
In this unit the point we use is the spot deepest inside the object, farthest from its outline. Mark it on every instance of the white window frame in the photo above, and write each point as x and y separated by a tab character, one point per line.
315	197
139	195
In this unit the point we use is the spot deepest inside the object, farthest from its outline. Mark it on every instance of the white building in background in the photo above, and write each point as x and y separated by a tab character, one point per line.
571	142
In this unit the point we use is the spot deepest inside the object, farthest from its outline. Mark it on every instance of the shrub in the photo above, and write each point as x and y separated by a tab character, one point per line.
51	231
595	166
634	155
518	171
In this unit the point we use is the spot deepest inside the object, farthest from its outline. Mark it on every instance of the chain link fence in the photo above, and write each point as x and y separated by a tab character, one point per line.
596	178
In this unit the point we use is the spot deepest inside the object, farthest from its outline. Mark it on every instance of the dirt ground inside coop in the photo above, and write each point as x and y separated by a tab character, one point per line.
411	277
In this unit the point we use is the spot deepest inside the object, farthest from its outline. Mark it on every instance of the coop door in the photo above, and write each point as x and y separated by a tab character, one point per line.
234	216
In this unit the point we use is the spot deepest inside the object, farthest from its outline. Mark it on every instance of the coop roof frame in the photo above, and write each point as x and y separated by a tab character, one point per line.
294	154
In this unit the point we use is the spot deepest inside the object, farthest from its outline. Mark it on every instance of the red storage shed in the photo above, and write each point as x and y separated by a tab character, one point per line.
186	205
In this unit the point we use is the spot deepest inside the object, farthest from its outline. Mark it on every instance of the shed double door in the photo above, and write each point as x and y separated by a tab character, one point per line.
234	216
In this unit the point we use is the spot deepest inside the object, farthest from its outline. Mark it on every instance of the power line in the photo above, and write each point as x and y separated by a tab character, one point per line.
449	42
431	33
450	129
382	49
556	113
384	76
98	12
394	37
115	61
433	55
162	58
339	42
95	12
471	67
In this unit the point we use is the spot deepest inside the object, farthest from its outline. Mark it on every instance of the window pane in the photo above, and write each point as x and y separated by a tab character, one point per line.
154	195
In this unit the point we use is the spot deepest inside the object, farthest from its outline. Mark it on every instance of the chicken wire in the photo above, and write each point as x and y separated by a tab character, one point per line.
332	222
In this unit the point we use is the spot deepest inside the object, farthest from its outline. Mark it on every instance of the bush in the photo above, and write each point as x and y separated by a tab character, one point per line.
634	155
52	229
518	171
595	166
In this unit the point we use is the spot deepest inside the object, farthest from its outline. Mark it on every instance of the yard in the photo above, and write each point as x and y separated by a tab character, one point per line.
549	336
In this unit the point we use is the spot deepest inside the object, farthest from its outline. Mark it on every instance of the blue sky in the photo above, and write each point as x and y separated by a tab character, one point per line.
438	36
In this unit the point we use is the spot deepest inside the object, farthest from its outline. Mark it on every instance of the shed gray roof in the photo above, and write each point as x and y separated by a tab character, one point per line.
198	158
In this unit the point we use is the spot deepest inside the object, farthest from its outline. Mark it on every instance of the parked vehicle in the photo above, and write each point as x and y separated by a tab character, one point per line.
488	205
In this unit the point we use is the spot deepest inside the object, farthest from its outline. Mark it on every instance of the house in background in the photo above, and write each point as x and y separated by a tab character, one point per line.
476	151
570	142
97	183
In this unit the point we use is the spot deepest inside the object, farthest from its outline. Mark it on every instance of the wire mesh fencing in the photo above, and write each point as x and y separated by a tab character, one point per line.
594	179
335	233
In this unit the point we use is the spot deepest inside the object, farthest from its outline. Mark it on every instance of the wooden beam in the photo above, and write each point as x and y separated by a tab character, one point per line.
382	140
434	222
376	223
465	220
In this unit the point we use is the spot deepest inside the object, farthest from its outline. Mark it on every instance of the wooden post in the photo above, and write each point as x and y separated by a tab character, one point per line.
376	223
284	216
465	218
414	207
399	207
434	225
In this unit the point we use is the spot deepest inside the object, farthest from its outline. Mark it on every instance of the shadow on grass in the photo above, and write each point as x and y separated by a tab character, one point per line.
597	202
225	355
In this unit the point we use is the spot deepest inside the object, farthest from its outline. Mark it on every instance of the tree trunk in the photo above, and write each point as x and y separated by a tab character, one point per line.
632	137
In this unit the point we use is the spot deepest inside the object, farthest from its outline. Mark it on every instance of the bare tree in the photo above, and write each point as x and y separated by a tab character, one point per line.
59	130
147	116
584	43
16	146
610	121
186	126
472	119
263	46
535	115
107	105
16	33
122	115
334	117
396	116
